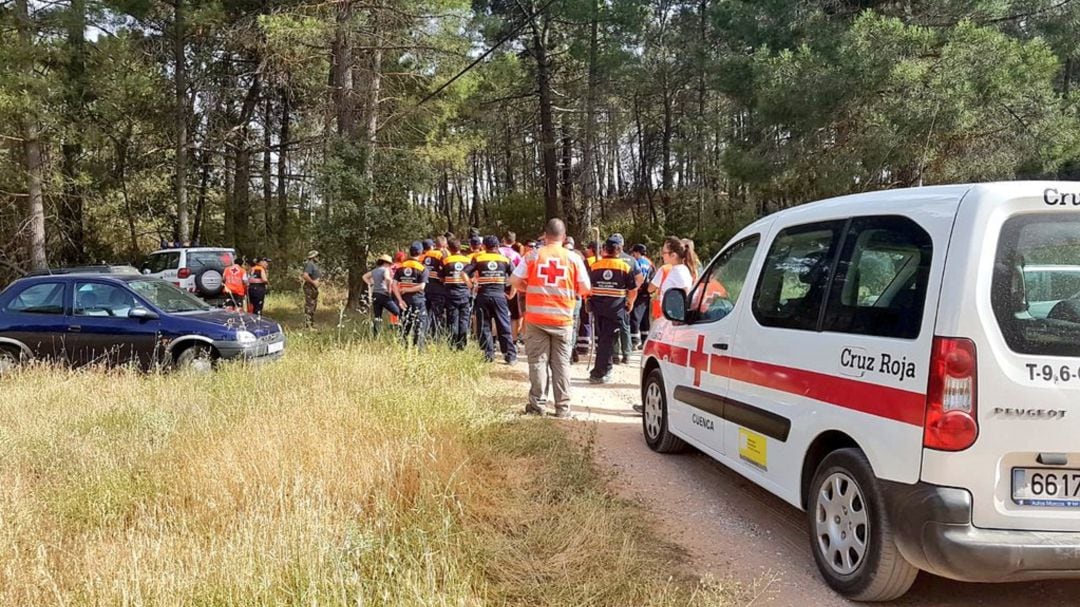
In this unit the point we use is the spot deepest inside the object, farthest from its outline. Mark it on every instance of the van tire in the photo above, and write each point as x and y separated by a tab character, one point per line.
881	573
654	418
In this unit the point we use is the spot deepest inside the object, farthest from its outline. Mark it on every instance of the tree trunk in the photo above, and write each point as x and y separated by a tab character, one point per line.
242	198
267	167
35	209
204	189
181	158
588	177
566	194
71	206
283	174
341	72
547	121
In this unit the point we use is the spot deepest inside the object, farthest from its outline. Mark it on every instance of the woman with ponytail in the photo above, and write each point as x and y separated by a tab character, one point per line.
678	272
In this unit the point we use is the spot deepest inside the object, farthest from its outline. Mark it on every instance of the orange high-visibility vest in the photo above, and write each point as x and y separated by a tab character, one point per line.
234	280
258	274
657	300
551	286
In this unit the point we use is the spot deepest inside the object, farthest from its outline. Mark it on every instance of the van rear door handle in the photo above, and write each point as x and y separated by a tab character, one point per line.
720	346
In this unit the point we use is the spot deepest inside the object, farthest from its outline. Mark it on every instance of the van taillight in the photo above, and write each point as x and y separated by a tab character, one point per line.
183	273
951	423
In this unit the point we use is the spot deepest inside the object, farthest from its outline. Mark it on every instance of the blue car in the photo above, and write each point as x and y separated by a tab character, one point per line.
115	319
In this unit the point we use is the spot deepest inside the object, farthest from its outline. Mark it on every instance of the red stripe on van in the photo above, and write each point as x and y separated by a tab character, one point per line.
882	401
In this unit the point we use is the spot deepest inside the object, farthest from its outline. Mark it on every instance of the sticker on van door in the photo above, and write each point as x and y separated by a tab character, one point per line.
754	449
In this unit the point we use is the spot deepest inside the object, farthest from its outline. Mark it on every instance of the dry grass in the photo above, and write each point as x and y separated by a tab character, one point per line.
349	473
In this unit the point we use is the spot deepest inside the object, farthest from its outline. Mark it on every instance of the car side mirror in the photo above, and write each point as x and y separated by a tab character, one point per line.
142	314
674	305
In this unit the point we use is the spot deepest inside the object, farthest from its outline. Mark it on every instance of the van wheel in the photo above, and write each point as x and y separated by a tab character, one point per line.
850	533
197	358
654	418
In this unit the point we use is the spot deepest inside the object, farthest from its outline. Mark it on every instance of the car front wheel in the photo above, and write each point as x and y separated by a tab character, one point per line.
850	533
654	416
9	360
198	358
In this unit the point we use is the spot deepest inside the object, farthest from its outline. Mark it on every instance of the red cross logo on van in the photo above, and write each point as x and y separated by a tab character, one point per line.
699	360
552	272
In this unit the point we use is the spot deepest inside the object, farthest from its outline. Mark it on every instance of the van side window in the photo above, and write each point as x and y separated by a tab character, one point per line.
881	278
793	281
718	291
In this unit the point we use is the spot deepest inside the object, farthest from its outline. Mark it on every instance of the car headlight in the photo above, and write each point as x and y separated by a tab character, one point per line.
246	337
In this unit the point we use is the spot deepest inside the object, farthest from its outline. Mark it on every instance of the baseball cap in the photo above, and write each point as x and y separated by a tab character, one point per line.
491	241
613	242
429	243
640	248
312	254
475	241
416	248
617	239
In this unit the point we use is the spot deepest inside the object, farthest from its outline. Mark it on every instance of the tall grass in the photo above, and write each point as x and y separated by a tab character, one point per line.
349	473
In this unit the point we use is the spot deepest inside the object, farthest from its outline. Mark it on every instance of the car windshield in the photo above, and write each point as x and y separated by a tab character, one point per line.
167	297
1036	289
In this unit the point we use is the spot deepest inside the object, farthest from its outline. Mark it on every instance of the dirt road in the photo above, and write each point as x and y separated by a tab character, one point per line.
733	529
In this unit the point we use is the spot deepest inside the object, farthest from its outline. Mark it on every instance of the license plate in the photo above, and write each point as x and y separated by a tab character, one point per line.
1046	487
275	347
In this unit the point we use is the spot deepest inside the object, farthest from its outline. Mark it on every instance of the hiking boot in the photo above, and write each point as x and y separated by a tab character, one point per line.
564	414
626	359
600	380
574	358
511	360
531	410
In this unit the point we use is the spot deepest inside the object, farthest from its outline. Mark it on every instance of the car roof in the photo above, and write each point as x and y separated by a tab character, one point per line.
118	278
194	250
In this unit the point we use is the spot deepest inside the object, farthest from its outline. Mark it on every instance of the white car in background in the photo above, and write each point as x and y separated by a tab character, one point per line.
197	270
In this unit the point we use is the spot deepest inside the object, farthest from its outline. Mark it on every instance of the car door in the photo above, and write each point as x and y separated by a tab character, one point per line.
101	330
34	317
699	401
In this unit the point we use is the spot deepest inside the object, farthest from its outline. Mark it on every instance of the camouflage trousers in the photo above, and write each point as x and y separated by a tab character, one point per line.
311	302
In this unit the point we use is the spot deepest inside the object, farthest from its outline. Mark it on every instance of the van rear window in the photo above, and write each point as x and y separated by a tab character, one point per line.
1036	287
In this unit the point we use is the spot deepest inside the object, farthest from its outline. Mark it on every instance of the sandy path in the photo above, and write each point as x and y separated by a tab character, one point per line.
730	527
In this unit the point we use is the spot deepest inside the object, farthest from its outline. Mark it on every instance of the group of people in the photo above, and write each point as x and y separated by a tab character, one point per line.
442	287
564	298
244	283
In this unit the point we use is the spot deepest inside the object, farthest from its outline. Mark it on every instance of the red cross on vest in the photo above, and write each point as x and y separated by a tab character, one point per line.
699	360
552	272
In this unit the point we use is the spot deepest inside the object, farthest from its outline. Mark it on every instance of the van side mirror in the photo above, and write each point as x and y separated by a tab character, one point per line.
674	305
142	314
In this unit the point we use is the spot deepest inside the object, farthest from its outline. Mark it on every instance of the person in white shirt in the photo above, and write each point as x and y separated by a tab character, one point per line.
683	270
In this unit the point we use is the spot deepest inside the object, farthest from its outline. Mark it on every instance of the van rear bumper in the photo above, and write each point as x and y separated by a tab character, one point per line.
933	530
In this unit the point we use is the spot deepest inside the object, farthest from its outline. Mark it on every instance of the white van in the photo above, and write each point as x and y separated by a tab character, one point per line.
877	360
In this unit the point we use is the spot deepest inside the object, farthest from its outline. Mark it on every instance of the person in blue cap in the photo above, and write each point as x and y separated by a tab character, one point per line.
625	345
613	293
455	279
491	272
410	280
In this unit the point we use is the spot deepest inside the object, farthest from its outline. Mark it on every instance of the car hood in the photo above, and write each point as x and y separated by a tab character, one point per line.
258	325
